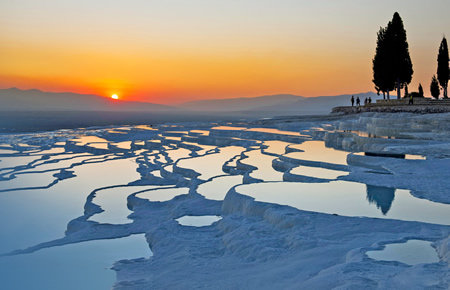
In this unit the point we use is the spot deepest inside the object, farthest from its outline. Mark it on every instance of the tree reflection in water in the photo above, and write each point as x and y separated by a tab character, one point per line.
381	196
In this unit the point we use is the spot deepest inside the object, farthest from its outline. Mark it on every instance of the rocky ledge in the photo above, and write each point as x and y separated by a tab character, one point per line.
420	106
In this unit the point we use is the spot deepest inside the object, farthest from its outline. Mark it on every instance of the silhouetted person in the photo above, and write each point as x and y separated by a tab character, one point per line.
352	100
365	101
370	100
358	101
411	100
381	196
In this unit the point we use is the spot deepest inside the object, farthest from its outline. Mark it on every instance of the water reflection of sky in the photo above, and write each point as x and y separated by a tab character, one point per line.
317	151
261	130
113	202
36	216
83	140
211	165
276	147
317	172
217	188
349	199
412	252
198	221
83	265
263	163
163	194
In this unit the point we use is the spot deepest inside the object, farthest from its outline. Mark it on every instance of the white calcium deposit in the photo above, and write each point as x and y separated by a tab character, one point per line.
260	180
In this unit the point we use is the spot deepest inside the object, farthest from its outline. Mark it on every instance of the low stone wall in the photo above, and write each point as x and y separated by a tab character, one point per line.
416	101
399	107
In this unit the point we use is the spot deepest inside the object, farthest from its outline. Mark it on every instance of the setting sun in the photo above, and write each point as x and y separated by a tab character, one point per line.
115	97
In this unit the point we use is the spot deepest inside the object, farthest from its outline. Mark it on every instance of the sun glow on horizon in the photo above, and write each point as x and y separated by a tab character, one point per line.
115	97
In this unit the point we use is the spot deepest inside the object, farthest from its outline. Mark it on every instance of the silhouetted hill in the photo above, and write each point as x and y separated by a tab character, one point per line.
284	104
240	104
34	110
316	105
34	100
276	105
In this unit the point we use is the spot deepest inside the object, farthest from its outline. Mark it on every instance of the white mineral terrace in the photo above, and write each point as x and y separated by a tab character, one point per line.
288	203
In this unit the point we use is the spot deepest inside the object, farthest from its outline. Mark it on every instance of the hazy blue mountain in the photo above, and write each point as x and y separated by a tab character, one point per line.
276	104
34	100
316	105
240	104
284	104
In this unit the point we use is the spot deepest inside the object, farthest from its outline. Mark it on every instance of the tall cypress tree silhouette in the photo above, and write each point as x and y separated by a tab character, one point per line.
382	76
400	61
434	88
421	91
443	73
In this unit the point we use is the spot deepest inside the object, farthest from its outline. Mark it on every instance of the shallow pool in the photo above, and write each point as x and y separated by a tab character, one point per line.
198	221
350	199
412	252
83	265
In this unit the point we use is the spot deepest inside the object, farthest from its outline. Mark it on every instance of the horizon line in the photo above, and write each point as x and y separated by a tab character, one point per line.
202	100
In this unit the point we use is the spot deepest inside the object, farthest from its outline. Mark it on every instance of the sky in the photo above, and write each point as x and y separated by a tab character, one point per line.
174	51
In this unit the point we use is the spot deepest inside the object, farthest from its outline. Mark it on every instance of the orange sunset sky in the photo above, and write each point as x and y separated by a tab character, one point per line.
174	51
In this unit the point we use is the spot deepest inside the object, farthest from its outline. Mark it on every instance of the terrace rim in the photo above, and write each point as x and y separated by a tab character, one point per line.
419	106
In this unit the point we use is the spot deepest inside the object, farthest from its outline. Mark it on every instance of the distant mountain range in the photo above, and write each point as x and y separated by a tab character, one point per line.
240	104
276	104
265	106
35	100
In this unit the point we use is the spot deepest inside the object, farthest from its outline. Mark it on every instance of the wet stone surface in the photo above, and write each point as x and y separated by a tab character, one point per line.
266	193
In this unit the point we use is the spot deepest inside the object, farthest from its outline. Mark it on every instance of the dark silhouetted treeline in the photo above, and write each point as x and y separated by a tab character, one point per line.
392	66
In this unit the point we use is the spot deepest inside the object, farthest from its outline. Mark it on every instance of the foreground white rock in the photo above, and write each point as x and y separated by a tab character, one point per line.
201	169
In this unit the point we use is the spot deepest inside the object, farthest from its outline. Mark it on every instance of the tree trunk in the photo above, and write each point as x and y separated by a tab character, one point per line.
398	90
388	95
445	92
384	95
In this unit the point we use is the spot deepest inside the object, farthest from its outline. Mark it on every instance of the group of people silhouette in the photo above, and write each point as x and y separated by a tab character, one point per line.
358	101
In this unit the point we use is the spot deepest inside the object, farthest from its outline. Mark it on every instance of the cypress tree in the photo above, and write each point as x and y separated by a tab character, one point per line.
434	88
400	61
421	91
443	69
382	77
